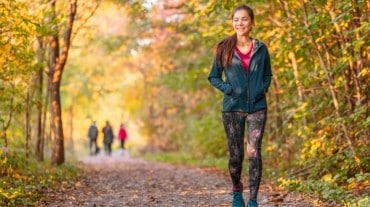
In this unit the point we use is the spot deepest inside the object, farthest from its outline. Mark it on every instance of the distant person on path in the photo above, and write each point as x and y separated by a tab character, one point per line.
108	138
122	136
245	62
93	136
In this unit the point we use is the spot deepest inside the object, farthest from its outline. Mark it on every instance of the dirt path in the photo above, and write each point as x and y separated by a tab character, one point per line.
124	181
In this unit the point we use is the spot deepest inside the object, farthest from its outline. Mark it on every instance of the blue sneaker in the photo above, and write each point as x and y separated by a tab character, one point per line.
252	203
238	200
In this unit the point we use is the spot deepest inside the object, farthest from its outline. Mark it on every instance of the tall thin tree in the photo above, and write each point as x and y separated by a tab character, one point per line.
57	59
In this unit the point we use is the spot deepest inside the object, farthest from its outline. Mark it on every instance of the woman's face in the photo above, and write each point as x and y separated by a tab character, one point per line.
242	23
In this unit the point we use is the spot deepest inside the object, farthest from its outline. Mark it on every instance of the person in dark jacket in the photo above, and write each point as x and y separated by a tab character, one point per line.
245	63
93	136
108	138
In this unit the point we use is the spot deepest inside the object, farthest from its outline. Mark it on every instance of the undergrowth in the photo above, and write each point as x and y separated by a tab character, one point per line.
354	194
22	179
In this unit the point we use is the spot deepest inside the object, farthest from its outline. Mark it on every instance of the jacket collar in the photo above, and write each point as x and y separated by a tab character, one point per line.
256	45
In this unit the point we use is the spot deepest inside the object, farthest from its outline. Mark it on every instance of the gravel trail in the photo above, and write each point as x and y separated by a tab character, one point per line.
132	182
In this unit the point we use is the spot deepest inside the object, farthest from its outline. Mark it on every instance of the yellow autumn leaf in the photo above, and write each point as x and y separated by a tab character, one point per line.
327	177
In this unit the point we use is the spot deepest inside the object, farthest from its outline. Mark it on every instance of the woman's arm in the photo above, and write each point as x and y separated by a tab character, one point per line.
215	78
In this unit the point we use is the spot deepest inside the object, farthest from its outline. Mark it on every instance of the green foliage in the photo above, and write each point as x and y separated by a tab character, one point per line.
16	61
362	201
22	179
113	43
328	189
207	137
324	189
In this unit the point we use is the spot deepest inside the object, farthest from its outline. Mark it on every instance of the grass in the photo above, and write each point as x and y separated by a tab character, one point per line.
188	159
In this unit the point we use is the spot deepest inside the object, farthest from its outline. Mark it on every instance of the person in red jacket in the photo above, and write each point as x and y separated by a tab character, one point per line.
122	136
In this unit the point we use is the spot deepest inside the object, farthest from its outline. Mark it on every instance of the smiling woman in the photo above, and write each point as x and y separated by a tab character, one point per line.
243	21
245	62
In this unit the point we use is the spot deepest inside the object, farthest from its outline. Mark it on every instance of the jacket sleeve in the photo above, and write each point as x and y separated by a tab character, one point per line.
267	72
215	78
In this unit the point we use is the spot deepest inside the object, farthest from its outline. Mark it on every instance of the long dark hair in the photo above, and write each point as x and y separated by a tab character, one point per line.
225	48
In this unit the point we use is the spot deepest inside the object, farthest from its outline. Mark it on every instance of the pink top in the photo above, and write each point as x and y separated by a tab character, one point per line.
122	134
245	57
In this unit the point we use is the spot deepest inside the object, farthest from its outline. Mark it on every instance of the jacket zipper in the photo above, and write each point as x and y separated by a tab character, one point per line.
248	82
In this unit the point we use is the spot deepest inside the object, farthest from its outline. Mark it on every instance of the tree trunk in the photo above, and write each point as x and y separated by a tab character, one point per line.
277	109
39	87
293	59
71	143
3	133
57	62
28	117
57	124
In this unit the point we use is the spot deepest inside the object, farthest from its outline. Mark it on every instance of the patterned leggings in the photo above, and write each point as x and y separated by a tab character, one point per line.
234	123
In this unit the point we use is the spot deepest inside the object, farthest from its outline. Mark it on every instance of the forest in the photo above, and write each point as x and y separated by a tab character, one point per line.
145	63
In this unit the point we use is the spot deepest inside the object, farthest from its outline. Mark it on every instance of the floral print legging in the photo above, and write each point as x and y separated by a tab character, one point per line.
234	123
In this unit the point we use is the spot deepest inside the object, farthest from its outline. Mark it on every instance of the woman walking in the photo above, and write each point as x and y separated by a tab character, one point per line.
122	136
245	62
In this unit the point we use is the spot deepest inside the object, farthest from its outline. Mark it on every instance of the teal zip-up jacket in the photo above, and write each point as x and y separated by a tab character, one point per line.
244	91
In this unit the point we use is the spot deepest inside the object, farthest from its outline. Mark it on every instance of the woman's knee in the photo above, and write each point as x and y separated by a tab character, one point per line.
238	160
253	152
